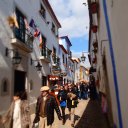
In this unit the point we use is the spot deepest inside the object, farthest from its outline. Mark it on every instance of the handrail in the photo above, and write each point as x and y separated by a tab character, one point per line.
27	37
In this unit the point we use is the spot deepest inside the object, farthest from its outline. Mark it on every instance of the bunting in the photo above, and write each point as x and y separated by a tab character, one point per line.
26	24
36	32
32	24
41	41
12	20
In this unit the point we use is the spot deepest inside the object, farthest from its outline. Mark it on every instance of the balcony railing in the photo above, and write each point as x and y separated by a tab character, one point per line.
45	54
56	60
23	39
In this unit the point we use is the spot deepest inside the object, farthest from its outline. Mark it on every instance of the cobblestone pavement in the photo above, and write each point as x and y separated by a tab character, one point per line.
87	115
92	117
78	113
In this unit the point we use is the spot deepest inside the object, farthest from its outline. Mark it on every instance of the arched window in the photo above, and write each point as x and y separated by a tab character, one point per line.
5	87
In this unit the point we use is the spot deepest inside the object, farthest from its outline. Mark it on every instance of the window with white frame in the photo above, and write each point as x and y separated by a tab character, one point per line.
53	28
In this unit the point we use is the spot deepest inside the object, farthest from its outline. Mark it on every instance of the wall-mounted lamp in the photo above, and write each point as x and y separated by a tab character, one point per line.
83	57
38	66
48	22
16	59
85	4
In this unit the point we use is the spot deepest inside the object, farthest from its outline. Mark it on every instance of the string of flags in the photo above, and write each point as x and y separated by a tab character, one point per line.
36	32
31	27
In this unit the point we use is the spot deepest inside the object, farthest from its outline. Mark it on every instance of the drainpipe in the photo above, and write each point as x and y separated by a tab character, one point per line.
113	63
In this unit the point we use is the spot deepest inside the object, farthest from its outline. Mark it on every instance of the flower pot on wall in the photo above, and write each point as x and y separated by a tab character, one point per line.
94	7
94	60
94	28
95	50
95	44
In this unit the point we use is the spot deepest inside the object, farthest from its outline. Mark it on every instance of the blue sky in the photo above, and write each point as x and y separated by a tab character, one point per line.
79	44
73	17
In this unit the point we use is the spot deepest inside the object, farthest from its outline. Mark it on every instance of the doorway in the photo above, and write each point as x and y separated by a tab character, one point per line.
19	81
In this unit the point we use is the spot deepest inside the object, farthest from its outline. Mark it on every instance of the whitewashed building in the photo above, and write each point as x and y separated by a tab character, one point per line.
108	36
67	59
19	21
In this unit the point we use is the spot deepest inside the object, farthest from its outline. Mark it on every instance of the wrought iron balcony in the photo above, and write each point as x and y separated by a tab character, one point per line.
56	60
45	54
22	39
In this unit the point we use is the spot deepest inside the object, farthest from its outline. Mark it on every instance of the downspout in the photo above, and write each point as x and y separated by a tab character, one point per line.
113	64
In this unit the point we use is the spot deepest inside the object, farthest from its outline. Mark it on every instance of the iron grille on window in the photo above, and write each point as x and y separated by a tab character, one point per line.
43	12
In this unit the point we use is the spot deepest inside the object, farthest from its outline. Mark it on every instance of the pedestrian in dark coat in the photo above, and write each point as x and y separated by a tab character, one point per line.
45	106
62	97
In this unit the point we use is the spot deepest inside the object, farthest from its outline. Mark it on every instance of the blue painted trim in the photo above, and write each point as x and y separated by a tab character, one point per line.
113	63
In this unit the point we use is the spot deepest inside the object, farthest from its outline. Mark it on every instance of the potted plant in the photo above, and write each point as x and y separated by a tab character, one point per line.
94	28
94	60
95	50
95	44
94	7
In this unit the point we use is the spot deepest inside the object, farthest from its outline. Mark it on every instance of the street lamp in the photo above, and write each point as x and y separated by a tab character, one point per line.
16	59
38	66
83	57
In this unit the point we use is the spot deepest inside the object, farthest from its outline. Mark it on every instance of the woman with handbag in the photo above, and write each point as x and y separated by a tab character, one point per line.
72	102
62	97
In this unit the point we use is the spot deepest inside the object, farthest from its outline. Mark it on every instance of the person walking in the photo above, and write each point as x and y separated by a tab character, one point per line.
71	104
62	97
45	106
1	122
18	115
79	90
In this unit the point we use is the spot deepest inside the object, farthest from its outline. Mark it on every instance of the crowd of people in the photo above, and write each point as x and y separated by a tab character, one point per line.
58	98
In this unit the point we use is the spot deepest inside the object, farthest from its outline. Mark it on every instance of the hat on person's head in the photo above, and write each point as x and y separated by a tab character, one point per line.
44	88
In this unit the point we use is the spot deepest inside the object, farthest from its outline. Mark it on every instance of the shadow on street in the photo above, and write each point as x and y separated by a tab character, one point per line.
92	117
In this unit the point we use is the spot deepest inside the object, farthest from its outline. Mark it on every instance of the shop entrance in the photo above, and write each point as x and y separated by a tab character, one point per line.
19	81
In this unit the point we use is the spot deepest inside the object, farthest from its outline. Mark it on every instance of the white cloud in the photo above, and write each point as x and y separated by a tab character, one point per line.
72	15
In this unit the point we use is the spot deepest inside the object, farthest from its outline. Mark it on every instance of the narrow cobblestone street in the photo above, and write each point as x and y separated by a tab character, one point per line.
87	115
92	117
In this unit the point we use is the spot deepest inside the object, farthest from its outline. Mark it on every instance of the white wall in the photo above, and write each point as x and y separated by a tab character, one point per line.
30	9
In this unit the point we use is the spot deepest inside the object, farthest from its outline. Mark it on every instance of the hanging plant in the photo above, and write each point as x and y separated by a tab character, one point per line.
95	44
94	28
95	50
94	7
94	60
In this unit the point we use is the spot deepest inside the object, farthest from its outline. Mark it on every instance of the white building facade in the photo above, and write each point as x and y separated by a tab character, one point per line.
33	47
109	38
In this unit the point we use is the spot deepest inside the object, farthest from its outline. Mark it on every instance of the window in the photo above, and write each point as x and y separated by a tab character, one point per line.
66	62
53	28
31	85
44	80
43	47
43	11
54	51
4	87
20	32
63	58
